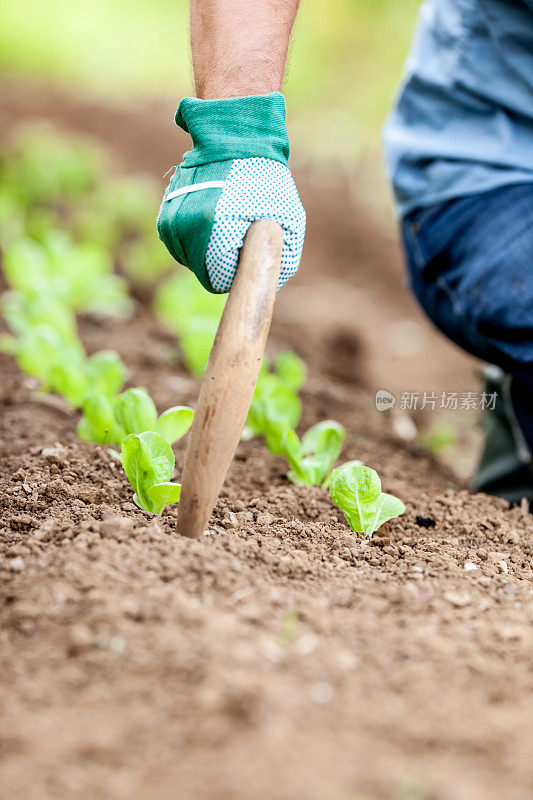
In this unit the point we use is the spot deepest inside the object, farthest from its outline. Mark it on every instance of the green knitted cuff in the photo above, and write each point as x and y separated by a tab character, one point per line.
239	127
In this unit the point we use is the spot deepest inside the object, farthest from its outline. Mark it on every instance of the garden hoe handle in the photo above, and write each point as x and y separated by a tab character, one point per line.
230	377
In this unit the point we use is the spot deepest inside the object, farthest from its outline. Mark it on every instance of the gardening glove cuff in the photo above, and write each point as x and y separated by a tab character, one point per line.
235	174
239	127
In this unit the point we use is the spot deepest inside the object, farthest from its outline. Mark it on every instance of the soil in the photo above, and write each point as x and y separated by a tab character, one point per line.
280	657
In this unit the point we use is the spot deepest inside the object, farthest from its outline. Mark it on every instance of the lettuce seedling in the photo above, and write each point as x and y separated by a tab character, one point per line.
181	299
275	409
327	482
107	420
99	423
312	459
45	167
196	341
26	310
101	374
145	260
439	439
192	314
290	369
136	412
149	462
78	275
175	423
39	348
356	490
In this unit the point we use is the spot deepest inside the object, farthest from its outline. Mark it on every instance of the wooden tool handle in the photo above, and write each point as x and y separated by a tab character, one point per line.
230	377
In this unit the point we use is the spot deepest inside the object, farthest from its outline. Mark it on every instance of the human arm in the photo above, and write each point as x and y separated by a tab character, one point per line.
237	171
239	47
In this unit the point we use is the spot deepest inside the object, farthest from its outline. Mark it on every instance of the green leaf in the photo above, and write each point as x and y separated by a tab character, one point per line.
135	410
292	450
85	431
162	495
148	460
70	381
312	459
387	507
100	423
196	340
38	349
291	369
437	440
26	310
175	422
327	480
181	299
25	265
105	372
356	490
275	409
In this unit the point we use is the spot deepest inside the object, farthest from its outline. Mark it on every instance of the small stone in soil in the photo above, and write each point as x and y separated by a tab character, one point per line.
80	637
458	599
265	518
321	692
115	527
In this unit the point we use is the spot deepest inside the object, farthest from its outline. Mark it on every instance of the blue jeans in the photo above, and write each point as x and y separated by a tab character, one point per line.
470	264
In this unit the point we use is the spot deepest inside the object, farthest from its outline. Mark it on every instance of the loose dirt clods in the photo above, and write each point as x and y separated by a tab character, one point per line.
280	657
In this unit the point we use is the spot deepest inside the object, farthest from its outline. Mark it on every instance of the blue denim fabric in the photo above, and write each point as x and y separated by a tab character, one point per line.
470	263
462	122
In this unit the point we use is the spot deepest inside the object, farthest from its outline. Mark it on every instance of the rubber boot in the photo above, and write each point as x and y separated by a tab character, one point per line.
506	467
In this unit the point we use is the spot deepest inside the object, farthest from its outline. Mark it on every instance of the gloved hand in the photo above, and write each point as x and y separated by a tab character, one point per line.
235	174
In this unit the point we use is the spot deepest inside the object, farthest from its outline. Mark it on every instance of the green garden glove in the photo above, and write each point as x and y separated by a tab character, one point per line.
236	173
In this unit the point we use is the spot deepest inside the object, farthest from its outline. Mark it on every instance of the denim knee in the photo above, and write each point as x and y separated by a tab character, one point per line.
470	264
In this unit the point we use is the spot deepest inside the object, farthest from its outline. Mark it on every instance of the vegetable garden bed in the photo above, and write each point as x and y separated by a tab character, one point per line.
280	656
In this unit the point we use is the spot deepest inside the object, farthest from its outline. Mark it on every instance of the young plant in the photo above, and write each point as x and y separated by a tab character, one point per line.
192	314
149	462
75	380
39	348
22	311
78	275
196	341
136	412
181	299
439	439
356	490
99	423
108	420
327	482
275	409
290	369
45	167
275	406
311	459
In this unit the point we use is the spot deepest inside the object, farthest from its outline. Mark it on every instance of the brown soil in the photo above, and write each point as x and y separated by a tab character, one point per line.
280	657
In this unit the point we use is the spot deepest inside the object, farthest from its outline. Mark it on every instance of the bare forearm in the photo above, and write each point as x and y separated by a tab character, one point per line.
239	47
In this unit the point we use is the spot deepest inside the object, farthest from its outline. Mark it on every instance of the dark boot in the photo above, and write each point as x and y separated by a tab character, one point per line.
505	468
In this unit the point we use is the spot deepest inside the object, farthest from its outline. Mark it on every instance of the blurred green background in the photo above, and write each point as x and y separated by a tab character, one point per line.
345	62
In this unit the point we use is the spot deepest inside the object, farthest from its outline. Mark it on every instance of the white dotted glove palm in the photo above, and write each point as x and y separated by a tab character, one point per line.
236	173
